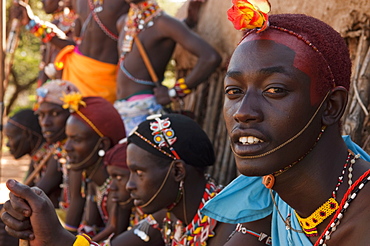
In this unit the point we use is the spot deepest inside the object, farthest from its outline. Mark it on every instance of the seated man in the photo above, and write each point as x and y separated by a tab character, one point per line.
25	136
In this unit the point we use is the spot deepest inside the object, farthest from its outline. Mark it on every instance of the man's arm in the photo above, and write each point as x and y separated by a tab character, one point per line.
208	58
41	28
207	62
77	202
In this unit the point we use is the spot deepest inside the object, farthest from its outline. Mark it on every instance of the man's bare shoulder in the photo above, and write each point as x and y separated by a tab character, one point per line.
168	20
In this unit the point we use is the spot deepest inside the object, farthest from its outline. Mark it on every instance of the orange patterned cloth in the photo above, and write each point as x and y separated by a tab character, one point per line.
92	77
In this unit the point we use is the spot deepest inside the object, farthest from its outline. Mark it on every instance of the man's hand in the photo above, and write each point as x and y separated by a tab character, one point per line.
22	11
161	95
30	215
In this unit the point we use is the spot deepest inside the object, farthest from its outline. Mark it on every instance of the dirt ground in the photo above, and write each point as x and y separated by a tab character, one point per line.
10	168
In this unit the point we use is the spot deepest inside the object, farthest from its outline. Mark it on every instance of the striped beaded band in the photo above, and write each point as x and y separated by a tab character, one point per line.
164	136
155	146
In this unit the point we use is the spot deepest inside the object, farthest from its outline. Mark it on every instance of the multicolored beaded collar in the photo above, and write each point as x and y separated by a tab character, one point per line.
198	230
140	16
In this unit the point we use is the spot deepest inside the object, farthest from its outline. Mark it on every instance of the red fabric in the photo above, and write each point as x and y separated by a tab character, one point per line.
104	117
116	156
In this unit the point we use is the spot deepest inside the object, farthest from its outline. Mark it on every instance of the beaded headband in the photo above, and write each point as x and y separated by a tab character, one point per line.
73	101
163	136
19	125
252	15
300	37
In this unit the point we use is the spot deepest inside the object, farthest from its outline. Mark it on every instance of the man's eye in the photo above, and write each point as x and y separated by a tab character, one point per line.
233	91
139	172
54	114
119	177
274	90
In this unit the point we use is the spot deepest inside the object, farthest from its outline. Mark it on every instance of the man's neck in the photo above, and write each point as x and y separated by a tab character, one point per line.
315	177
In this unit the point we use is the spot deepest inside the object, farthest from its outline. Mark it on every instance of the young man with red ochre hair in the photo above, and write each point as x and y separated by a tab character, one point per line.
286	89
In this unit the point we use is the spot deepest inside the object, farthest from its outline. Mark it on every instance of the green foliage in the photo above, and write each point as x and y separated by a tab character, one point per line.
27	57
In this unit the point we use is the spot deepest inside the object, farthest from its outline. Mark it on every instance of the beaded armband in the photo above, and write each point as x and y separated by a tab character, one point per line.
143	228
83	240
45	30
180	89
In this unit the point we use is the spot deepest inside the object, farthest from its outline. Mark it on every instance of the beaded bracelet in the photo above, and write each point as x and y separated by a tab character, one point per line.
45	30
82	240
142	230
180	89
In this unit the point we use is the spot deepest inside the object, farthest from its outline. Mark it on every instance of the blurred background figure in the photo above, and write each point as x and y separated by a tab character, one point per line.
24	136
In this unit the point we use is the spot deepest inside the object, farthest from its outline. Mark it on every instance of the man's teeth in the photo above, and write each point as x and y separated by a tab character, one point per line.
249	140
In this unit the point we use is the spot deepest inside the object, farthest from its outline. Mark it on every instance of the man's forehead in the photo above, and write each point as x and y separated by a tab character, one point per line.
279	37
47	106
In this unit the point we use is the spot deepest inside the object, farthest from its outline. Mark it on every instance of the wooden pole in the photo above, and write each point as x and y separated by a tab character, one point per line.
2	72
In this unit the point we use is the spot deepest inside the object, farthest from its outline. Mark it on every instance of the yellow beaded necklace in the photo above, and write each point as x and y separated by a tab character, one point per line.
309	224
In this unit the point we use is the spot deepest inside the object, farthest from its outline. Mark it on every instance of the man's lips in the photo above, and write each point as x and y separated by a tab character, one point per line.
48	133
137	200
248	142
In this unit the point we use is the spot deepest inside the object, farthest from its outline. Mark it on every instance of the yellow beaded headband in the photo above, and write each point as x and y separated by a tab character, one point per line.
73	101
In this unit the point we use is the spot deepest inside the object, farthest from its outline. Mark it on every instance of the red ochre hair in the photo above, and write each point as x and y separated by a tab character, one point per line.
322	37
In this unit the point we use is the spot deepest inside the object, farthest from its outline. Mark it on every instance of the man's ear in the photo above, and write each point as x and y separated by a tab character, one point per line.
105	144
335	106
179	170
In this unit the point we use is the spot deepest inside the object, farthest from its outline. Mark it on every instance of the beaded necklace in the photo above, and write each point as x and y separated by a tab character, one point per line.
38	157
65	19
198	230
140	16
346	201
95	8
135	217
40	153
98	5
102	199
309	224
59	152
